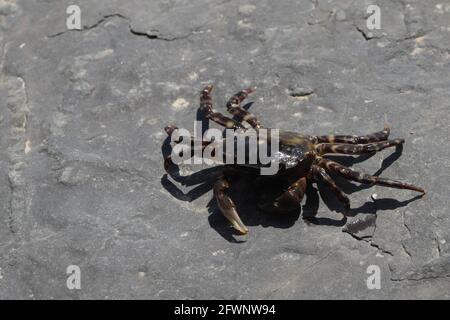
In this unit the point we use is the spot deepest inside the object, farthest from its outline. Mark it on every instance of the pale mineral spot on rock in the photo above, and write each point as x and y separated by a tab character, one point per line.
416	51
244	24
96	56
152	122
193	76
158	135
246	9
340	15
287	256
180	104
218	252
323	109
27	146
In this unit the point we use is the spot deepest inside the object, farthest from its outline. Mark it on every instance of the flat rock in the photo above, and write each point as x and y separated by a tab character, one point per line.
81	137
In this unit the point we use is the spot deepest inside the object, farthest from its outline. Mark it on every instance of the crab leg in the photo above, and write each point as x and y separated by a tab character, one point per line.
319	172
226	204
353	139
365	178
323	148
234	107
210	113
295	193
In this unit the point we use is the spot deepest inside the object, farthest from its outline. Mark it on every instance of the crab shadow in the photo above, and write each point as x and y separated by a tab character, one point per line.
248	190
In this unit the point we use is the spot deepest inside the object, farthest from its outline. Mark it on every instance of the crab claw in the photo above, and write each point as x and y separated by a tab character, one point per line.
235	220
227	206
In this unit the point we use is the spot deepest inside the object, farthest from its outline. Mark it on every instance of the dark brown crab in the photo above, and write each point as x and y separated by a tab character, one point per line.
307	152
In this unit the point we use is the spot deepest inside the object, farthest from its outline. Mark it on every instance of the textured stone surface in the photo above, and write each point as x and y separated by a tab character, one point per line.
81	176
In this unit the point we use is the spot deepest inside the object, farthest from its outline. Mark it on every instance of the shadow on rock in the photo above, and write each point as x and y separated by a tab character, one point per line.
349	187
248	190
248	193
381	204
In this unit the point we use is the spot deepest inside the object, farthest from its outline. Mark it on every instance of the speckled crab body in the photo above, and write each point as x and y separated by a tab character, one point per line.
302	159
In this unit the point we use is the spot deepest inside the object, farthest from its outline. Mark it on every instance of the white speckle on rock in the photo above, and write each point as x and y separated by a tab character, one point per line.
340	15
158	135
27	146
169	86
244	24
416	51
285	256
246	9
419	40
323	109
218	252
193	76
374	196
96	56
339	85
254	51
298	114
180	104
417	140
60	119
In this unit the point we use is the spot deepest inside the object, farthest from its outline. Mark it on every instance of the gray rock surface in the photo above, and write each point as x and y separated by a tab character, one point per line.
81	130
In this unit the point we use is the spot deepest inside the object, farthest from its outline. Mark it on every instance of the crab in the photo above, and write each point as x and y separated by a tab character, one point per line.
303	160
